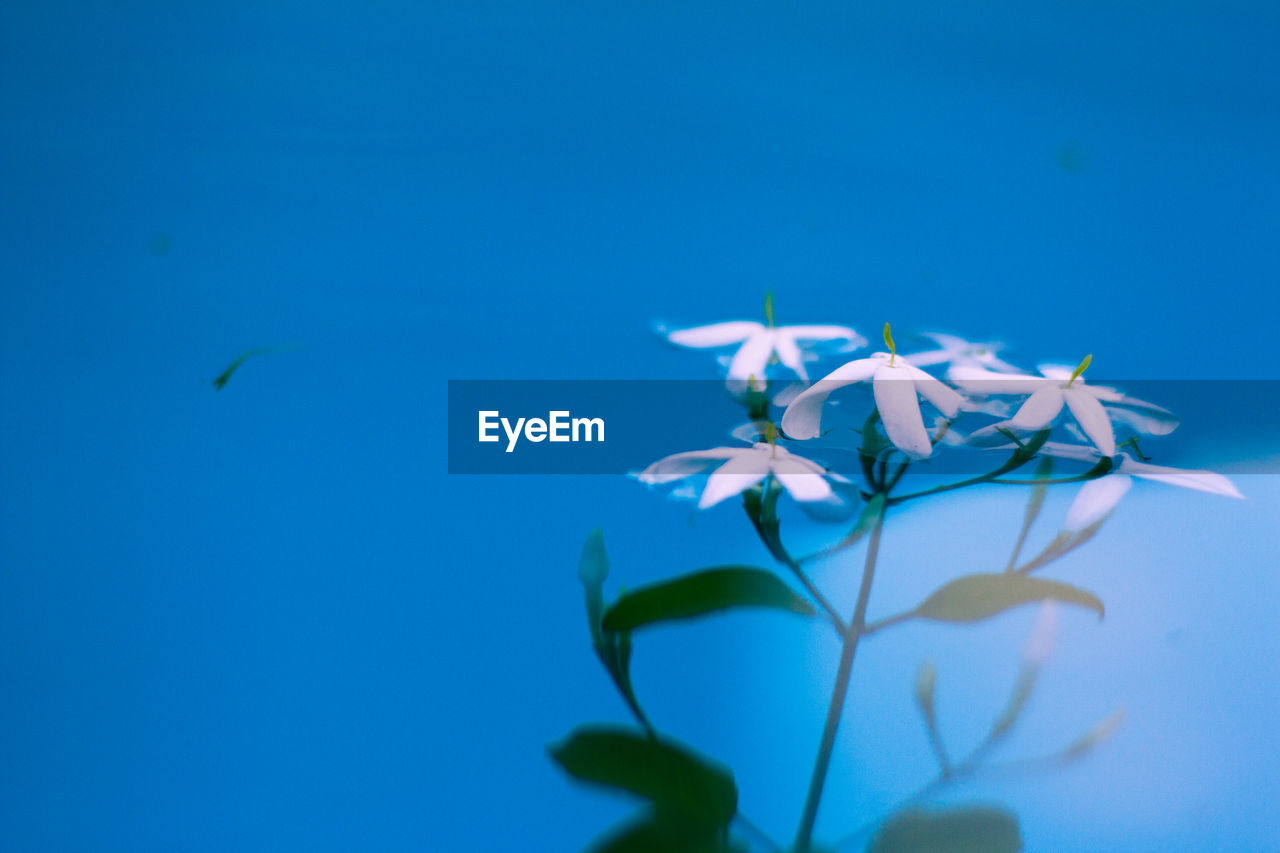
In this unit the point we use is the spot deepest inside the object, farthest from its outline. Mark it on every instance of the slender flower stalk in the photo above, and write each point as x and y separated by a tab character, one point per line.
839	693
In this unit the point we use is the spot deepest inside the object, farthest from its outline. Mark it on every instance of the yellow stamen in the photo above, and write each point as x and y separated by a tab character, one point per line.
888	341
768	308
771	436
1084	365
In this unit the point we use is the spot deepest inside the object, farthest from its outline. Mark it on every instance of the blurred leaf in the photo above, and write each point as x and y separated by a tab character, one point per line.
1094	736
1032	446
657	769
1035	502
593	568
612	648
973	829
976	597
1061	545
703	592
926	678
1017	701
761	504
866	520
664	832
873	441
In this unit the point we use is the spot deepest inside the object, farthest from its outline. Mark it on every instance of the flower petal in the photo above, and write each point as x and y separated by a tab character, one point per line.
1092	418
801	482
734	477
803	418
944	399
824	333
1057	372
1203	481
750	360
949	343
982	381
789	354
1146	422
1077	452
1143	416
930	357
680	465
1040	408
1095	501
715	335
895	393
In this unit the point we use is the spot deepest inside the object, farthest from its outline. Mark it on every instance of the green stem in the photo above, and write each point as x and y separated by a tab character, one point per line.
1079	478
1017	460
839	693
763	512
881	624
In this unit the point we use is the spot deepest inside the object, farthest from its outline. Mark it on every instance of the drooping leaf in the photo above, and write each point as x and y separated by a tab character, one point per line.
1036	499
1094	736
700	593
1017	701
593	568
1032	446
975	597
866	520
872	440
973	829
926	678
658	769
1061	545
761	504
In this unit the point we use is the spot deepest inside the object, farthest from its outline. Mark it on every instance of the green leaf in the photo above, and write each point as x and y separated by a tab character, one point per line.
973	829
976	597
866	520
663	832
1017	701
1032	446
593	568
700	593
667	774
926	678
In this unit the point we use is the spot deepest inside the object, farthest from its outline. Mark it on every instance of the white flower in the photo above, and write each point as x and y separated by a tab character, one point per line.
959	352
740	468
1098	498
760	343
895	384
1061	386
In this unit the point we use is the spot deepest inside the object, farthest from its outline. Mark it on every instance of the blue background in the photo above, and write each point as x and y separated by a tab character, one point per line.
265	618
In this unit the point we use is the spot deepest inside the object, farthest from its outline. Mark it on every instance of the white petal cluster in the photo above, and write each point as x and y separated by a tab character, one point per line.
1098	498
759	344
960	353
740	468
897	386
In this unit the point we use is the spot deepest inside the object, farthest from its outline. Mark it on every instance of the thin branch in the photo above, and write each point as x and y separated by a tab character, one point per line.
839	693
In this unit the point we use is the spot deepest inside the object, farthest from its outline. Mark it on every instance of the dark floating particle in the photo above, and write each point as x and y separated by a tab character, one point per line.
1073	158
161	244
220	382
